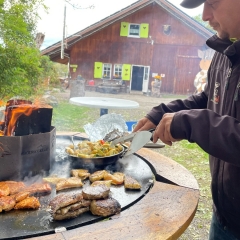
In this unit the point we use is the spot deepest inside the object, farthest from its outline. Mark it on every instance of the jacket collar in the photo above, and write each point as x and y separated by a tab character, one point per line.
226	47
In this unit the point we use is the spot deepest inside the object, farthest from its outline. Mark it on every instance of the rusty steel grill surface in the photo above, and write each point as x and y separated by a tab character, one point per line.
19	224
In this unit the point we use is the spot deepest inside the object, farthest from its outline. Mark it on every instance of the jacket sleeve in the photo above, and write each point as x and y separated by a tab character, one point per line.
197	101
217	135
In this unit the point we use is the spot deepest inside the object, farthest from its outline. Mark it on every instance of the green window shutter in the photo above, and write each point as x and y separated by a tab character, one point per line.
98	70
126	72
124	29
144	28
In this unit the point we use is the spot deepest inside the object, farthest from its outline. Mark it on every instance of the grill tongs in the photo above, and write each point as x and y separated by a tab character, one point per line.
137	139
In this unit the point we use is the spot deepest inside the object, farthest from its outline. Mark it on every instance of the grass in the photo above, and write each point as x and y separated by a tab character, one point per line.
67	117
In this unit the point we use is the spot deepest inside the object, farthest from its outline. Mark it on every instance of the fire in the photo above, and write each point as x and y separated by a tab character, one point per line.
16	112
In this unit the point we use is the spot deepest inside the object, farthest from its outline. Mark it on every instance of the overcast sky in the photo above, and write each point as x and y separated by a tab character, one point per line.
51	24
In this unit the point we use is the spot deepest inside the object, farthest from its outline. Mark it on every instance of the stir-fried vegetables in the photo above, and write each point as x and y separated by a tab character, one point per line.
87	149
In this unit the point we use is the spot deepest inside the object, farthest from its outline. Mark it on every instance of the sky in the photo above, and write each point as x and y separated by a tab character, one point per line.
51	23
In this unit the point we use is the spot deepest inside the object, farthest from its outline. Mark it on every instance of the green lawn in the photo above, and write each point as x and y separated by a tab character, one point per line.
68	117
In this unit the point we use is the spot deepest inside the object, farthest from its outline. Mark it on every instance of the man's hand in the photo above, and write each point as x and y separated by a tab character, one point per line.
162	131
144	124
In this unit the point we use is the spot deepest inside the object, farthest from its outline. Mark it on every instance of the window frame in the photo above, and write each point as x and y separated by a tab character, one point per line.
108	77
114	72
134	36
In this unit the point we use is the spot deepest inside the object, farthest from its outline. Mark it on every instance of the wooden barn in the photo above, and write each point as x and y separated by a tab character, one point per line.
131	46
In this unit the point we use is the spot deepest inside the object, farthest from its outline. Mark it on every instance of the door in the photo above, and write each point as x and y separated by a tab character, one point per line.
137	78
145	79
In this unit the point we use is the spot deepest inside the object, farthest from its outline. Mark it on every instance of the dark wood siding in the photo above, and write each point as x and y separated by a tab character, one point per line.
174	55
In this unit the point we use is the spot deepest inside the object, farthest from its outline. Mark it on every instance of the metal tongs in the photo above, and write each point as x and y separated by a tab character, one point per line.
137	139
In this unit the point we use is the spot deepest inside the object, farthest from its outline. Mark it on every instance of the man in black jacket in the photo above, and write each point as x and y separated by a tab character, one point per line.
212	118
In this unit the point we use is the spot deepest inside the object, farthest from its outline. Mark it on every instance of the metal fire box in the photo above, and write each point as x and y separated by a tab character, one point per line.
27	156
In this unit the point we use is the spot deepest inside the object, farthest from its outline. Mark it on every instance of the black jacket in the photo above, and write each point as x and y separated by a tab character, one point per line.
212	120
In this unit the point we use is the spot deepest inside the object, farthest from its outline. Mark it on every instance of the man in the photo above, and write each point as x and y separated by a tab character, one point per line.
212	117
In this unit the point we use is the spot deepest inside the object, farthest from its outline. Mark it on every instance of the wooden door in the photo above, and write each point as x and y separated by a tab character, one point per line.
186	69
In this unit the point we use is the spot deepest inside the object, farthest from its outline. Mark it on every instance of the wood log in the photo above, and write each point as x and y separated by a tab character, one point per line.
24	118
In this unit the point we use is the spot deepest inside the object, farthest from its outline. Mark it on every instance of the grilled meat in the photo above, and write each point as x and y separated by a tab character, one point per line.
73	207
28	203
38	188
68	215
96	192
117	178
105	207
69	205
81	173
7	203
20	196
15	187
98	175
72	182
4	189
108	183
131	183
64	199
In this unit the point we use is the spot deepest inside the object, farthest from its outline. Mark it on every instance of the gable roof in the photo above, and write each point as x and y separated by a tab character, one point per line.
55	49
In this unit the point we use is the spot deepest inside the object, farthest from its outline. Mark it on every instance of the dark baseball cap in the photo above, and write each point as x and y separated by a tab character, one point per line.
191	3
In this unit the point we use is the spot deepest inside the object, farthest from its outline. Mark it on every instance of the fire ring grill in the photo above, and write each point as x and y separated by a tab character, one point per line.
18	224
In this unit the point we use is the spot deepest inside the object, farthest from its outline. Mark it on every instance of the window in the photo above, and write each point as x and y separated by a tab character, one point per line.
117	74
134	30
107	71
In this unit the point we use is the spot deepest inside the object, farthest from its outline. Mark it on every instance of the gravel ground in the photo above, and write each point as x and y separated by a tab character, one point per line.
199	227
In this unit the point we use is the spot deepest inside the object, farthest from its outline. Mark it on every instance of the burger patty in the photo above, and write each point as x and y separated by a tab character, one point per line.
105	207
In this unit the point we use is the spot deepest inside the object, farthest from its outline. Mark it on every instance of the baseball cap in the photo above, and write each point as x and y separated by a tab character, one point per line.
191	3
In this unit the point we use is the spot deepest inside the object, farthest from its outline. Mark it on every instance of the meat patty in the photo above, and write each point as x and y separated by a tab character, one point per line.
72	214
105	207
73	207
96	192
64	199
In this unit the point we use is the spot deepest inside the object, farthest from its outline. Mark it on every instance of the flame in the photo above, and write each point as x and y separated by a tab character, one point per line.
16	113
1	128
2	103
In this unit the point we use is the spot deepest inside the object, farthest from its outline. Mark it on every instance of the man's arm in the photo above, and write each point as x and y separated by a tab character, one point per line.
217	135
197	101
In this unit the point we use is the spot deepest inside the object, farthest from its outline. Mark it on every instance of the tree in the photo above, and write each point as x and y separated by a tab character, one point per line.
52	71
205	24
20	65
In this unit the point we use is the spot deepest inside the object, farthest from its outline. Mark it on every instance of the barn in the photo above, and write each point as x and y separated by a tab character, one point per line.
131	46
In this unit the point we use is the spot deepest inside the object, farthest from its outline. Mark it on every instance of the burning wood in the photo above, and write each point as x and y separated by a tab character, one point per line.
23	117
23	150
